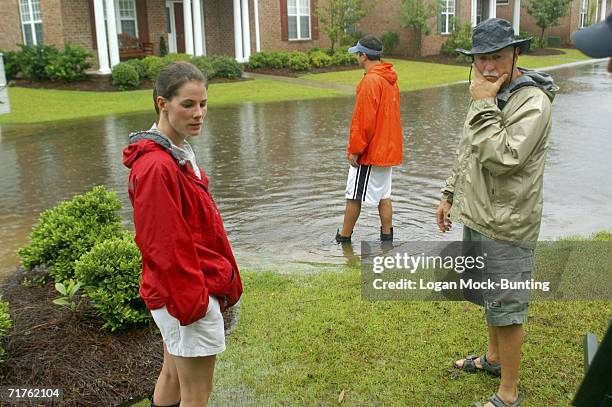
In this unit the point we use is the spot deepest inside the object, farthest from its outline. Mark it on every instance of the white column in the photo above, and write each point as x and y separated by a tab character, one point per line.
474	12
516	17
197	27
101	37
238	32
603	10
246	30
257	40
188	27
492	8
111	26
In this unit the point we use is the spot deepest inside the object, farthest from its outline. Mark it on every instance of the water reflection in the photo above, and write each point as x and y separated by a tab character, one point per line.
278	170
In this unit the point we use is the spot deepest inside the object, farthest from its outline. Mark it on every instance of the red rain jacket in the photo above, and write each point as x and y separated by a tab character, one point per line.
185	251
376	128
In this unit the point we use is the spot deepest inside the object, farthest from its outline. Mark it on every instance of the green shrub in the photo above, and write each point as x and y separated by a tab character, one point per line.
204	64
343	58
33	59
225	67
535	43
163	49
390	41
460	38
258	60
110	273
5	324
278	59
153	64
321	59
64	233
11	64
176	57
139	65
69	65
298	61
125	76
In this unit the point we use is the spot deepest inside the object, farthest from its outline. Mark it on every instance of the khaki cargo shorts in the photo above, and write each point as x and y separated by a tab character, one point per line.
506	266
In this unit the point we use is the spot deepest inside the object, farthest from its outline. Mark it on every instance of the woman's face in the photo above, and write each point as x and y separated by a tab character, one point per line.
185	111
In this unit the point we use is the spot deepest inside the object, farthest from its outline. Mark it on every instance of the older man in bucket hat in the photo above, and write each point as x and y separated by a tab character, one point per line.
596	40
495	189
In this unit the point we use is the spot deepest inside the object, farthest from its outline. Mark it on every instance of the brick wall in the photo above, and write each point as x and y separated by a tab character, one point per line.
564	29
219	26
270	30
77	24
385	17
156	16
10	25
53	31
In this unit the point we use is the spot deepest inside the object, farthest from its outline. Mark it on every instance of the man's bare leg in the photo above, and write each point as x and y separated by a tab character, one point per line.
510	342
385	210
351	214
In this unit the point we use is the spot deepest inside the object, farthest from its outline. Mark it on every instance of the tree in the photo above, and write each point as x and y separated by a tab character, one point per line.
338	17
415	14
547	13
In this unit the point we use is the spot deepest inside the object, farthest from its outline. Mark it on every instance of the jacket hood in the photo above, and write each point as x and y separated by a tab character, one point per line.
385	70
540	80
142	142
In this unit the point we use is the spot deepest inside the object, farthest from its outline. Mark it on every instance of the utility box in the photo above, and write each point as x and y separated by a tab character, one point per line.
553	42
5	107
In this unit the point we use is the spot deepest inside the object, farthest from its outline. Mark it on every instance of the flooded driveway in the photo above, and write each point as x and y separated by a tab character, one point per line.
278	170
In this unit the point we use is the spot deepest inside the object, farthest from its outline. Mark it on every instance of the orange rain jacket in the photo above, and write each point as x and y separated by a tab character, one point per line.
376	129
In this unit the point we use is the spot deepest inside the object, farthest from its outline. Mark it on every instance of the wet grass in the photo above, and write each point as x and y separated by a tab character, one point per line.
306	340
44	105
413	75
30	106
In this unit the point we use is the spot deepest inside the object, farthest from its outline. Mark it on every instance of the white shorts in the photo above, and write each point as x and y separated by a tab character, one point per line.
204	337
368	183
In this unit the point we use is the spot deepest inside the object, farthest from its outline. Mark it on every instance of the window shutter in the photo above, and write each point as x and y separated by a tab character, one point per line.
143	22
440	16
92	26
314	21
284	23
457	12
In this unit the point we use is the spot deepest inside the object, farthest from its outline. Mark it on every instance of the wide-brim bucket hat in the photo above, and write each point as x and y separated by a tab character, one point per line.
596	40
493	35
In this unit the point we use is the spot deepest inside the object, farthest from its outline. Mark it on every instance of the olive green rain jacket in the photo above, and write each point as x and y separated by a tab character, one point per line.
496	185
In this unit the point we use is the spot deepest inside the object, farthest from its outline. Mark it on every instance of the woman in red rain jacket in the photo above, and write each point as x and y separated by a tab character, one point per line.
189	274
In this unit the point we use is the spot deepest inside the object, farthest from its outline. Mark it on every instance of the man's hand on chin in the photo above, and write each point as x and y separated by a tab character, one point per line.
481	88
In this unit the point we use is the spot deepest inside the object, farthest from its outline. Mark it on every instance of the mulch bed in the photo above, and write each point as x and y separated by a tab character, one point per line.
50	347
98	83
293	74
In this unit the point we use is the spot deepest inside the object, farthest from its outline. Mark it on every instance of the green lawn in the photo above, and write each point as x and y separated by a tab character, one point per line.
414	75
42	105
302	340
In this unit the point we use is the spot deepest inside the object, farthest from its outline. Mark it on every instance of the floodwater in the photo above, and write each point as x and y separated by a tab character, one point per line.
278	170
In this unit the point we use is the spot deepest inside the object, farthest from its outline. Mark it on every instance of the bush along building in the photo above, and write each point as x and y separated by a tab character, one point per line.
116	30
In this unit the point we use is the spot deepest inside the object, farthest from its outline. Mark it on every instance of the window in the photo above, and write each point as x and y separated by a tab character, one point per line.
584	7
446	16
502	2
298	21
125	15
31	22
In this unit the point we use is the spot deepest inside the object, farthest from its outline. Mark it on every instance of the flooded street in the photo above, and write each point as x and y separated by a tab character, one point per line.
278	170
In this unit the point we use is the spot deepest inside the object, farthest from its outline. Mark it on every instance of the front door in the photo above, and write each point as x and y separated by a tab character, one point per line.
179	28
175	27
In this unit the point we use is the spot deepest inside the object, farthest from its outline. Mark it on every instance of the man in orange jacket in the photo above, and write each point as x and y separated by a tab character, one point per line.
375	142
